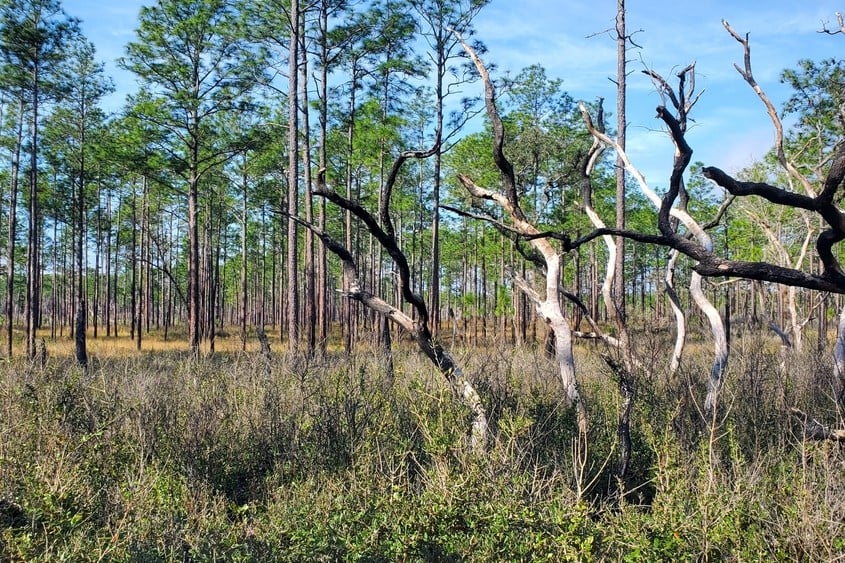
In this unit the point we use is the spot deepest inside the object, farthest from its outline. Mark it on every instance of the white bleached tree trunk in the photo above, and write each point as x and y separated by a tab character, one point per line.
667	210
548	305
839	357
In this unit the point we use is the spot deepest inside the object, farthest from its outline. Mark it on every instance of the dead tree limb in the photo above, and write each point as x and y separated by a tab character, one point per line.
677	311
839	358
624	371
710	264
701	244
418	328
586	166
812	429
823	203
840	21
748	76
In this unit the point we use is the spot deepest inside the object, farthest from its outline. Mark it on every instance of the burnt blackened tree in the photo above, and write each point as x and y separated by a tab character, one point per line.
817	197
416	324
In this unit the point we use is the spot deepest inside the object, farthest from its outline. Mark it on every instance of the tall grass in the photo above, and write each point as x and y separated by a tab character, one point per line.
159	457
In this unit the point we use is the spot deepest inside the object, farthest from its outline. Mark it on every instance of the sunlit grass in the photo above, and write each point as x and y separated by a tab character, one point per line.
63	345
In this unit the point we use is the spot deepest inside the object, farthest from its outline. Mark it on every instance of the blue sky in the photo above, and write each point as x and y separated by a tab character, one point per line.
732	128
565	36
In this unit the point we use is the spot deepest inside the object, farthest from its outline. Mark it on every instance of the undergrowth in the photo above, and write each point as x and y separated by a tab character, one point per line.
161	457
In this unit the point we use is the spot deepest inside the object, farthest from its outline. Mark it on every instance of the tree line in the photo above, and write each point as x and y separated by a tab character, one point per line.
172	213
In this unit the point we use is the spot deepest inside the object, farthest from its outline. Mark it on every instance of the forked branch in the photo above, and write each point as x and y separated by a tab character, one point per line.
548	306
748	76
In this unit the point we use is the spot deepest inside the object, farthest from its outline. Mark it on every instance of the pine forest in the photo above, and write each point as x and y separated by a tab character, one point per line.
328	284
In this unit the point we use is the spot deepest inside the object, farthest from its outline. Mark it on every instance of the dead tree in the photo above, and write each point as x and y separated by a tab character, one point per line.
588	163
823	203
418	324
624	370
669	216
820	200
548	303
839	358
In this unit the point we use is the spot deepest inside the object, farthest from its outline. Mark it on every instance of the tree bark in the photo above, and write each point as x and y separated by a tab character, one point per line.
293	180
244	292
310	297
618	303
81	349
32	258
13	223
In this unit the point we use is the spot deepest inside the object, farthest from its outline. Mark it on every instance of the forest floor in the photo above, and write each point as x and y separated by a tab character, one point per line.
156	456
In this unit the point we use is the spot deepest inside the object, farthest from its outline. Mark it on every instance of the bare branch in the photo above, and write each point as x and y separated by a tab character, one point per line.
549	308
418	328
650	194
840	21
663	87
815	430
773	194
486	218
503	164
822	204
748	76
390	181
385	239
723	208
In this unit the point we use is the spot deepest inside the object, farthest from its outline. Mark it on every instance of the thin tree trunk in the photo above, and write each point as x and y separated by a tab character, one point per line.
680	318
348	332
95	313
55	297
244	299
13	223
108	309
133	320
293	180
310	270
81	321
322	273
621	125
839	358
33	267
194	322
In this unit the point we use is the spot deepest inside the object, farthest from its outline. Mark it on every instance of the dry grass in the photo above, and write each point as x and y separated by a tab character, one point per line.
153	342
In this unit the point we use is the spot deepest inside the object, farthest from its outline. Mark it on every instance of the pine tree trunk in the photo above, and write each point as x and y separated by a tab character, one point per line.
293	181
10	244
